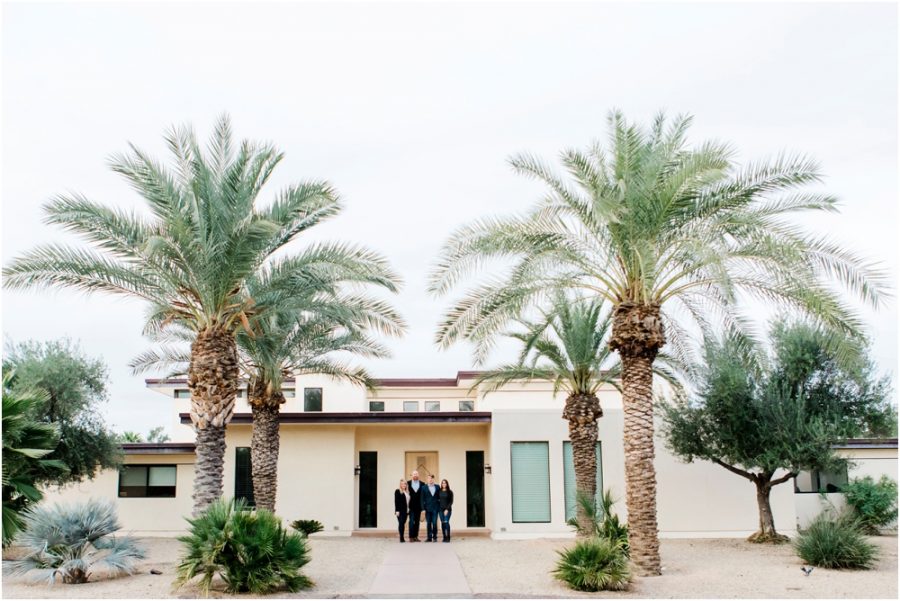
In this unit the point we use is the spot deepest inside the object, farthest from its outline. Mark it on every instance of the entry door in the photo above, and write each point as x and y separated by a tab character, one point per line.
426	462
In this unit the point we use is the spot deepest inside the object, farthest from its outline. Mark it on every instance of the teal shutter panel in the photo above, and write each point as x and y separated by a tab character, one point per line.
569	478
530	481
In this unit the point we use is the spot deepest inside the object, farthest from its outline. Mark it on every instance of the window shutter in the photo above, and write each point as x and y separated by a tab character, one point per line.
569	478
530	481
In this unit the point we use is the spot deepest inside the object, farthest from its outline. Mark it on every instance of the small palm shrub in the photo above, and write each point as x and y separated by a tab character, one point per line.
836	542
594	564
605	523
251	550
873	503
307	527
70	542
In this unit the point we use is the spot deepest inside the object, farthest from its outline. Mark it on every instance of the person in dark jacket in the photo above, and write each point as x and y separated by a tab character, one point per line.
401	507
416	487
432	507
445	498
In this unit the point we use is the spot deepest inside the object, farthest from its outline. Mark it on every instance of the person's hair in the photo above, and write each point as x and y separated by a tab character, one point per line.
402	481
431	476
444	481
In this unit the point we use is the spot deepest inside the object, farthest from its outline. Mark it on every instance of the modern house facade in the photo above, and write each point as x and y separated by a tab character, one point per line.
505	454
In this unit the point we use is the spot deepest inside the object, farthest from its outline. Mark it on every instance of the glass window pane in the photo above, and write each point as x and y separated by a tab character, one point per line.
368	489
467	405
569	478
133	475
833	481
243	480
530	462
410	405
312	399
182	394
289	392
805	482
376	405
162	475
432	405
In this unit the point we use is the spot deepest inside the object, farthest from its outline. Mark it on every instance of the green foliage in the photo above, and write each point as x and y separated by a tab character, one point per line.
70	542
593	564
251	550
782	413
836	542
307	527
75	387
873	503
605	522
26	446
156	434
647	218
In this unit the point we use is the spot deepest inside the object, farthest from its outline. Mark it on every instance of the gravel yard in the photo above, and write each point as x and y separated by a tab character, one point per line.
704	568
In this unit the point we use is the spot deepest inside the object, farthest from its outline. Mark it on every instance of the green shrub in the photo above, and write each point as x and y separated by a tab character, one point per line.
605	523
251	550
307	527
836	542
69	542
593	564
874	503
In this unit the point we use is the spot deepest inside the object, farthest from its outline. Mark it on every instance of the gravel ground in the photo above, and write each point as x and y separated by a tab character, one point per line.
696	568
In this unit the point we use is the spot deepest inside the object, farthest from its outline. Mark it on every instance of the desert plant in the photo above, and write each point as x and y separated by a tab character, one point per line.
593	564
873	503
604	522
307	527
71	542
251	550
836	542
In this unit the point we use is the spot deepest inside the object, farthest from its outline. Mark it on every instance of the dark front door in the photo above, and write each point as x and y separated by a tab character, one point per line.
368	494
475	489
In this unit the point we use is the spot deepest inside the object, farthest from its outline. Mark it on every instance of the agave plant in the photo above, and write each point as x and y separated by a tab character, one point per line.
672	236
207	232
72	542
251	550
26	444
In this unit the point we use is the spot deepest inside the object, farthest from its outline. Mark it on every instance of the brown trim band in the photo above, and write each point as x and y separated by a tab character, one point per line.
375	417
158	448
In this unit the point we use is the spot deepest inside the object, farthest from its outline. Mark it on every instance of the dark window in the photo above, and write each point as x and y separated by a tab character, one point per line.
376	405
243	476
368	495
312	399
815	481
182	393
147	481
432	405
475	489
467	405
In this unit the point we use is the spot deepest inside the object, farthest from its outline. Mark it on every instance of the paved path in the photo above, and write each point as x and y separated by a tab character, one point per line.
420	570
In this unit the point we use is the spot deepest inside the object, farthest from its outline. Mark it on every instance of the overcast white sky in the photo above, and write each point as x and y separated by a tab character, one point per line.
411	111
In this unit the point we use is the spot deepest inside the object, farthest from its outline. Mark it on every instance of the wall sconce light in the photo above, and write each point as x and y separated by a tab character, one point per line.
356	470
487	468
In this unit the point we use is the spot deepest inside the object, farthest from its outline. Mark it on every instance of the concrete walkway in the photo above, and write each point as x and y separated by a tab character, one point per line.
420	570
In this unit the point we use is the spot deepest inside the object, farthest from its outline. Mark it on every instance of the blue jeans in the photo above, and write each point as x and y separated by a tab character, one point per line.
431	518
445	523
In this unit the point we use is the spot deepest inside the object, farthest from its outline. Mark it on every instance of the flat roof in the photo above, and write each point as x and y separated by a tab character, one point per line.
867	443
157	448
373	417
384	382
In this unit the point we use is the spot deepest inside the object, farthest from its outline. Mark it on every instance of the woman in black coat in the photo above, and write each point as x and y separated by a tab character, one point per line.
446	499
401	507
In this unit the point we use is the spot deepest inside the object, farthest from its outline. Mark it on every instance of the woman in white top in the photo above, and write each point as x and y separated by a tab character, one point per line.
401	507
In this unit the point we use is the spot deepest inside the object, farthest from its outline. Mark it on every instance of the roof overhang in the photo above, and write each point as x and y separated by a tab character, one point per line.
158	448
867	443
375	417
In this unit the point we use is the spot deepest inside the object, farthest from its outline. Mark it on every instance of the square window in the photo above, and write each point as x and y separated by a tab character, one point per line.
376	405
147	480
410	405
432	405
312	399
467	405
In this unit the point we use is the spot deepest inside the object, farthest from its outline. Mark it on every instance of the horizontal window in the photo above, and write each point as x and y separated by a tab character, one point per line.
410	405
147	481
376	405
815	481
290	393
467	405
432	405
182	393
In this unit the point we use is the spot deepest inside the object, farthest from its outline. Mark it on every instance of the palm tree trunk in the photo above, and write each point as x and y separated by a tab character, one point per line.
637	336
213	382
582	412
264	446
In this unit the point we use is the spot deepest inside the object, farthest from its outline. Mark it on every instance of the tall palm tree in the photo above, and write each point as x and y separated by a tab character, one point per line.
189	259
568	347
670	235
